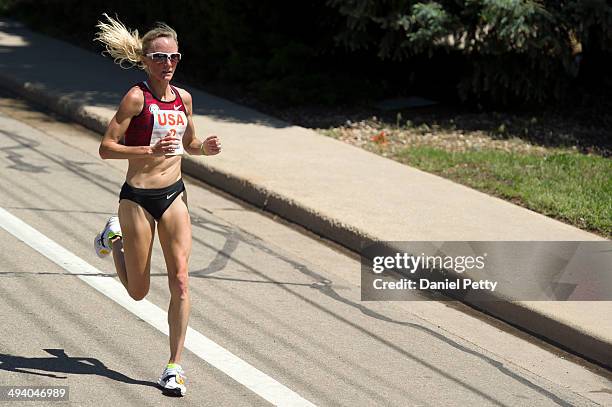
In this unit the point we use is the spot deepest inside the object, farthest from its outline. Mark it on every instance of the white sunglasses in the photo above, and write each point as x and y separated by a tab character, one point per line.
161	57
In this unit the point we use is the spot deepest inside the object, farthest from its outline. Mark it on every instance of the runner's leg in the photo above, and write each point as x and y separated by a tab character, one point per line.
132	252
119	259
174	230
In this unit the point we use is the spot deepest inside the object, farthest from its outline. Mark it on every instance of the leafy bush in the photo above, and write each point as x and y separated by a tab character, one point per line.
512	50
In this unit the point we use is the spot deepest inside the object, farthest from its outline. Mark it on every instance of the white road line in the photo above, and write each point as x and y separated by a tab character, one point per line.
236	368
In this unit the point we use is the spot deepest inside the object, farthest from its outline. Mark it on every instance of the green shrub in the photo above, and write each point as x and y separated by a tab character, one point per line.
514	50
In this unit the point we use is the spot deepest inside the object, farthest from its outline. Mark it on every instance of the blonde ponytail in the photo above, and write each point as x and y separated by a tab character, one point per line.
125	46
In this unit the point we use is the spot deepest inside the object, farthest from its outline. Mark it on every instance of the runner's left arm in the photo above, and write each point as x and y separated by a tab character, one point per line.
194	146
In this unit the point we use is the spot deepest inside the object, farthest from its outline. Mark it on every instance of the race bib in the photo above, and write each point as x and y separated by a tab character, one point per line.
168	121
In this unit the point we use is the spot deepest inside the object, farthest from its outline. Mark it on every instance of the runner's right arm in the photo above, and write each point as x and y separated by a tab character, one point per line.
110	147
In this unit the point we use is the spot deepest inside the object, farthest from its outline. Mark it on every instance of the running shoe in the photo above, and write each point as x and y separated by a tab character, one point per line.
172	380
102	241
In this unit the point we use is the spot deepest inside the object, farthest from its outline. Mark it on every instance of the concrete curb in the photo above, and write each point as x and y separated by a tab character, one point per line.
542	325
550	329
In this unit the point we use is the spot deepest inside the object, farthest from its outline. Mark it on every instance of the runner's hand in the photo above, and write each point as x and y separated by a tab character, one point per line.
166	145
211	146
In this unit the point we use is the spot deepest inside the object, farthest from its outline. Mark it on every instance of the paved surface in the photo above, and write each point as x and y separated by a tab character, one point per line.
273	295
335	190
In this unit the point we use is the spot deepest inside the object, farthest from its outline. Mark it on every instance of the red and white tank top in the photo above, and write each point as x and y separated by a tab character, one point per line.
156	119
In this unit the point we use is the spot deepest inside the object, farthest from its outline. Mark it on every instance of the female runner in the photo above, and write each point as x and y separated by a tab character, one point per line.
154	120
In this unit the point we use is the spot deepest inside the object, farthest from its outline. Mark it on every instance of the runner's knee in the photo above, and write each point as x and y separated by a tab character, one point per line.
179	283
138	288
138	293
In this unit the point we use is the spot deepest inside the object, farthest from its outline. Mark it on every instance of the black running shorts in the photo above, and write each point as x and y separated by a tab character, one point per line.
154	201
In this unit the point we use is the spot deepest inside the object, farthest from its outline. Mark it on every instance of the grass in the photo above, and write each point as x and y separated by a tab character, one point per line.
566	185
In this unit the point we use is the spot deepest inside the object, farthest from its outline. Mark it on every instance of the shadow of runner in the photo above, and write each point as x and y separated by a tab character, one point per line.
62	363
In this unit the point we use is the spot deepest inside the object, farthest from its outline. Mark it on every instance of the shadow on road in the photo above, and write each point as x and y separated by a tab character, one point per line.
60	362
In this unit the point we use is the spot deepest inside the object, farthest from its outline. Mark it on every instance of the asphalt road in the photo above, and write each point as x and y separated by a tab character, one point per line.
285	303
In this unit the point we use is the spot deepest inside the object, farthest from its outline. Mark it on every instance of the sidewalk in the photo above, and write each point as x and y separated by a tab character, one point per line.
336	190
